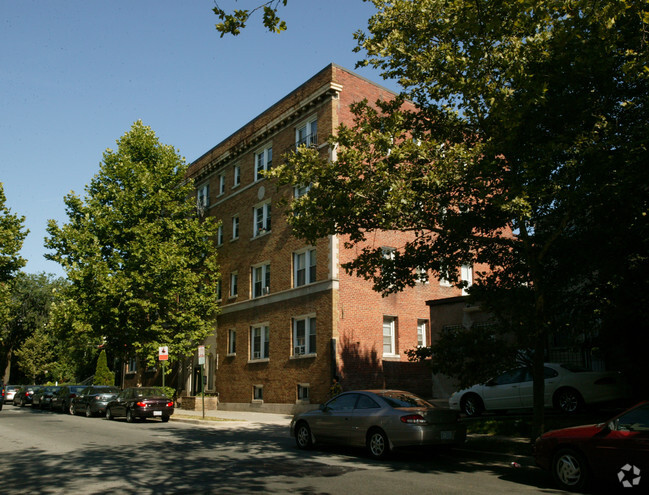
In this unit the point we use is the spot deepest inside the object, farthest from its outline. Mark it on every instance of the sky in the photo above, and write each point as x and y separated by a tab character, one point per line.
76	74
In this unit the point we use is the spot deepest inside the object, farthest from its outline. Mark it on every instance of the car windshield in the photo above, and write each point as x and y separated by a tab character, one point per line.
403	399
148	392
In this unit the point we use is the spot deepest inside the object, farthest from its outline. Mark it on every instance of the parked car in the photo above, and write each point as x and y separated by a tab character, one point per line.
567	389
140	402
2	395
43	397
92	400
24	395
614	452
379	420
62	399
10	391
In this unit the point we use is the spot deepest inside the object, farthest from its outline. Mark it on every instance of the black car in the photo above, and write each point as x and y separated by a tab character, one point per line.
140	402
43	397
25	394
93	400
62	399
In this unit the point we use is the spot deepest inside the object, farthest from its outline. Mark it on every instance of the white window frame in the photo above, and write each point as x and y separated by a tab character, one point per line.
261	219
299	191
390	332
260	280
307	132
422	332
232	342
261	332
303	392
304	261
221	184
237	176
306	345
235	227
258	393
234	284
263	161
203	197
219	235
466	275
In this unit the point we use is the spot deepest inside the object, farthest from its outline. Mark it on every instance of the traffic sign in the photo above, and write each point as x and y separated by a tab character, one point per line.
163	353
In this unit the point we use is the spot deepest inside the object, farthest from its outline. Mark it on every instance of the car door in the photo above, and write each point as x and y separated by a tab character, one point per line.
526	388
366	414
503	392
332	424
118	408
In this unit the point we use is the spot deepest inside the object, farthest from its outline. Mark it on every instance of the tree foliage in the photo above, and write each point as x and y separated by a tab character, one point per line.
141	264
524	155
103	375
233	23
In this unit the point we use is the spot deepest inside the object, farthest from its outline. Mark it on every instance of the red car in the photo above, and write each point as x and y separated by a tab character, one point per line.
615	452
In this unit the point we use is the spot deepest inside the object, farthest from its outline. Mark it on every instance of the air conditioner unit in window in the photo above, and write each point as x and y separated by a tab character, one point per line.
265	290
300	349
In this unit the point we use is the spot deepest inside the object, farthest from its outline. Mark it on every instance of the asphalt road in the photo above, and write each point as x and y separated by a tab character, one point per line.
45	452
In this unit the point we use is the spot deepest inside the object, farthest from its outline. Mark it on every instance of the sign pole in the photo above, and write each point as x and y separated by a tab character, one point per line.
163	355
201	361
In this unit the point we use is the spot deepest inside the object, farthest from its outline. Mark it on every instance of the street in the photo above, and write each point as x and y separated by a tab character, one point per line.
47	452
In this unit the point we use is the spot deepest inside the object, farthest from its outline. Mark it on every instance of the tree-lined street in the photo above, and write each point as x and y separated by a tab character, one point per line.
46	452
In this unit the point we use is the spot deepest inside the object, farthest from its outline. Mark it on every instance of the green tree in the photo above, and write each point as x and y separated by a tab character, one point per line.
525	149
31	299
141	264
103	376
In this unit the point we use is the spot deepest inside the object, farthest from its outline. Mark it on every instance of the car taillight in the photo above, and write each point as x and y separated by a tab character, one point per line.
416	419
72	396
170	404
140	404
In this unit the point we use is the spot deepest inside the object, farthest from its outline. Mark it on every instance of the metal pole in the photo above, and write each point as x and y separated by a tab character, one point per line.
203	391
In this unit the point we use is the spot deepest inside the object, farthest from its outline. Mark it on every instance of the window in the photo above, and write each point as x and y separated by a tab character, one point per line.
131	365
232	342
237	175
466	272
219	235
422	330
303	392
343	402
304	264
299	191
389	334
258	392
221	184
260	280
422	275
234	284
203	198
307	133
263	161
259	342
304	336
365	402
261	219
235	227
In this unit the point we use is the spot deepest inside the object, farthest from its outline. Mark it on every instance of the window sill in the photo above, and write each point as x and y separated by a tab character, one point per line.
261	234
391	357
304	356
231	354
253	361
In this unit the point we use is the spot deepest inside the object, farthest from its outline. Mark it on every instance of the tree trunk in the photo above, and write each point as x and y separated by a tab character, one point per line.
7	371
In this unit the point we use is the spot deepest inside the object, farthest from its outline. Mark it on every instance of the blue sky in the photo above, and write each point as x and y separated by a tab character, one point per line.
76	74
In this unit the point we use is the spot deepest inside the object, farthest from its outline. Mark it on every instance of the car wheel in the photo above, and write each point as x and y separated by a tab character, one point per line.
130	417
109	415
88	412
472	405
377	444
569	469
72	409
165	419
303	436
568	400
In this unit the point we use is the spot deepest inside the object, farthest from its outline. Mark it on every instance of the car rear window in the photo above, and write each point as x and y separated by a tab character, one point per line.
404	399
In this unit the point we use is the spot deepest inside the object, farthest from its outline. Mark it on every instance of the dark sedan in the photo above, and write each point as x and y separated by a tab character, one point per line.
92	400
379	420
62	399
140	402
43	398
24	395
615	452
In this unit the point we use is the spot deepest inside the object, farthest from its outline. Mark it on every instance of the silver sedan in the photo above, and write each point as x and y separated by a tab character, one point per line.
380	420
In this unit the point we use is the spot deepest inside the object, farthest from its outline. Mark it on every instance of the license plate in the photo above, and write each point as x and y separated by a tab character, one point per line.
447	435
157	413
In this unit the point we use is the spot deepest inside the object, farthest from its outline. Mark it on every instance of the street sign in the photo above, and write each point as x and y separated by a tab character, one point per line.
163	353
201	354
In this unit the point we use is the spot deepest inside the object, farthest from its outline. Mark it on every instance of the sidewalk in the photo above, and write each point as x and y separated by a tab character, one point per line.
225	418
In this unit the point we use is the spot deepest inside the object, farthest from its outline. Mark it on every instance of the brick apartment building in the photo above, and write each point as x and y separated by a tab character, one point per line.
291	318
